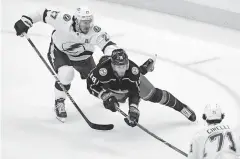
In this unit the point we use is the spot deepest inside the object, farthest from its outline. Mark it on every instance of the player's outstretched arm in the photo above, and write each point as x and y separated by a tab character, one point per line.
56	19
27	21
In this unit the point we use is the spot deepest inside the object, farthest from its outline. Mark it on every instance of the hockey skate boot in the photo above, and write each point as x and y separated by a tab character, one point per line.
186	111
60	109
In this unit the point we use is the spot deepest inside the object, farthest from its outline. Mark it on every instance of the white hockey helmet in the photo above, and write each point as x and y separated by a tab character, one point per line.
83	19
213	112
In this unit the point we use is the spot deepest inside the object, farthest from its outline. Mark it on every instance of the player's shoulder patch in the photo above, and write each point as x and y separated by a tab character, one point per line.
103	71
96	29
135	70
66	17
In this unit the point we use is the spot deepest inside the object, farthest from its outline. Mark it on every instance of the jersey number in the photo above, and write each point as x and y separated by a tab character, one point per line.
221	137
94	79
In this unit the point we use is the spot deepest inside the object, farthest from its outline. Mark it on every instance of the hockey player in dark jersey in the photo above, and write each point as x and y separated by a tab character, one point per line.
150	93
115	80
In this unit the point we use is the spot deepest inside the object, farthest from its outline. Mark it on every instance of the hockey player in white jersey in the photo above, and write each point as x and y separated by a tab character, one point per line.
217	140
72	45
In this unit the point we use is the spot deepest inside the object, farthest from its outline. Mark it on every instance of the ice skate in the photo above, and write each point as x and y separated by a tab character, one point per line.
188	113
60	110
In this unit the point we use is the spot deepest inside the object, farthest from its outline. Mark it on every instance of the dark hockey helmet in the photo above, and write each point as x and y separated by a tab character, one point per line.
119	57
120	62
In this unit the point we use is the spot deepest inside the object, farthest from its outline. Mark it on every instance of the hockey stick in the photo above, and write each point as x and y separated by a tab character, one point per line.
152	134
92	125
154	58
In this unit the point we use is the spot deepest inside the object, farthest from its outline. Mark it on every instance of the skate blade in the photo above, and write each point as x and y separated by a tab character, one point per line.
61	119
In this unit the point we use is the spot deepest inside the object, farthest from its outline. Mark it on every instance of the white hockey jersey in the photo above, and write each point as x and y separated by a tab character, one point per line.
69	41
215	142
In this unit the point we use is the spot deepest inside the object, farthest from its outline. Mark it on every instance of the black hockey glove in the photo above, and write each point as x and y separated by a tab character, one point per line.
133	115
109	101
22	25
147	66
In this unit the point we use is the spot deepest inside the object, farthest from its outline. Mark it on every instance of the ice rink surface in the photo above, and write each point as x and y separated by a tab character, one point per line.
198	63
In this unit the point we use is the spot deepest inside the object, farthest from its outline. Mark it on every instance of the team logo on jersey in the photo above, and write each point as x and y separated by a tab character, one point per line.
73	48
135	70
103	71
66	17
97	29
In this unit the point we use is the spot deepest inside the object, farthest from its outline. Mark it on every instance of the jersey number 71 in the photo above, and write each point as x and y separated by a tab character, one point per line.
221	137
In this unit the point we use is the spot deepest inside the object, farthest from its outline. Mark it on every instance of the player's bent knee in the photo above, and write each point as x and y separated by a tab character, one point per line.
163	97
156	96
66	74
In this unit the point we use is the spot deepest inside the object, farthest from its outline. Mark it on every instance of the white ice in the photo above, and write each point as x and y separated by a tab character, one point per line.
198	63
